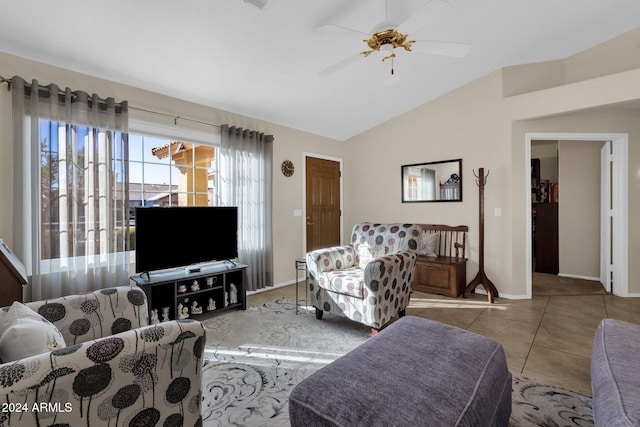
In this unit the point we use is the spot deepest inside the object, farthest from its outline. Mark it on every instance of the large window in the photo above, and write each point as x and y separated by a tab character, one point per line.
71	204
83	167
162	172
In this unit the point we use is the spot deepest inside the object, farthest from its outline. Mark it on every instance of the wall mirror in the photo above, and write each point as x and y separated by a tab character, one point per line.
432	182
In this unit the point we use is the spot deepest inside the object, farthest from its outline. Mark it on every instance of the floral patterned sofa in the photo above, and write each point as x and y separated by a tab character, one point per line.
114	370
368	281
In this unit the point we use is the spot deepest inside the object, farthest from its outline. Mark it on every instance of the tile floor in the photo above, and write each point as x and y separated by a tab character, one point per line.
547	337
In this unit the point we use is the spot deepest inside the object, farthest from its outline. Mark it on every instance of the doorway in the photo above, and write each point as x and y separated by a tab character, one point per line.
614	208
574	167
545	284
323	202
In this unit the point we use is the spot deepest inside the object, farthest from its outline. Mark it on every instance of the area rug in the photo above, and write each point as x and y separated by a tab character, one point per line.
254	358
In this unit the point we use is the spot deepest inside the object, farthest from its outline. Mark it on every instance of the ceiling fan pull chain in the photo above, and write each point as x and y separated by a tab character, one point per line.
393	55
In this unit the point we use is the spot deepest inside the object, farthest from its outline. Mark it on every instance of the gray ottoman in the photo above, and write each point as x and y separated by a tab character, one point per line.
416	372
615	374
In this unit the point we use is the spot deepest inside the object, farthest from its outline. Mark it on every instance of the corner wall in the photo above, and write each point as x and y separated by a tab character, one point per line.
469	123
484	128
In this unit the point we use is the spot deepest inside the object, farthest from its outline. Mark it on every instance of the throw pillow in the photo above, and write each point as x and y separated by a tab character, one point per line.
364	255
25	333
428	244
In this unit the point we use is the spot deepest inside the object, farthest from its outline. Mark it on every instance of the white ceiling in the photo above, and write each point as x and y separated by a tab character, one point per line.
264	63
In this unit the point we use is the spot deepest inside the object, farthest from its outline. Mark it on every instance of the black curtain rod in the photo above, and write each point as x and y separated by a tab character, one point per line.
61	93
7	81
174	117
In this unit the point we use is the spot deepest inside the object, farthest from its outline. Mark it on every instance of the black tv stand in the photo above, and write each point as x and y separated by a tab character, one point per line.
214	288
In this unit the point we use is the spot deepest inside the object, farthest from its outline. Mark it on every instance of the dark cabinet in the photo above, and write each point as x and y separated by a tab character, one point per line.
12	276
180	294
442	275
546	238
535	179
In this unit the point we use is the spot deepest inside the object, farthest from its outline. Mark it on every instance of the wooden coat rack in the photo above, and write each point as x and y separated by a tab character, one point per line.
481	278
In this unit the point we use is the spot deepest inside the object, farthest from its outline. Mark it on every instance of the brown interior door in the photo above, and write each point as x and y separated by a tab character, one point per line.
323	203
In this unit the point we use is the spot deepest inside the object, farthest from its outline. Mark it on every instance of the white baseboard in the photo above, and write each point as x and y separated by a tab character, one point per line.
480	290
575	276
277	285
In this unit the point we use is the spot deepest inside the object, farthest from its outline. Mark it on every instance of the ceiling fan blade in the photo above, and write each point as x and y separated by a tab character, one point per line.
455	50
339	29
335	67
431	11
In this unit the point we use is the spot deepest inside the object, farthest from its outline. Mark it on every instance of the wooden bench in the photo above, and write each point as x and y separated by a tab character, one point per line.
445	274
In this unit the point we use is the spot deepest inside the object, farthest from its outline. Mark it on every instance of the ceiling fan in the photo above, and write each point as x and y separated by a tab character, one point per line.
388	36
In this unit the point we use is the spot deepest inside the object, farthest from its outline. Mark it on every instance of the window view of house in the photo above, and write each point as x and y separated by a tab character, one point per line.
165	172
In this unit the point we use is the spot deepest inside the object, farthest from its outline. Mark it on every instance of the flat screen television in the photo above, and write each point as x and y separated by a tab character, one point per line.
169	237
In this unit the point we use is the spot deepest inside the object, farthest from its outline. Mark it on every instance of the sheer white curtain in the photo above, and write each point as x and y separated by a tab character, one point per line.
71	218
244	180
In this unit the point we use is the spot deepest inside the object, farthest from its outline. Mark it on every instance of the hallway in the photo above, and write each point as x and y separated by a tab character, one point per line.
544	284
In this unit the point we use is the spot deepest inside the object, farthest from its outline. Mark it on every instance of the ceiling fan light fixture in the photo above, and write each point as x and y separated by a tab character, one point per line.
385	41
386	50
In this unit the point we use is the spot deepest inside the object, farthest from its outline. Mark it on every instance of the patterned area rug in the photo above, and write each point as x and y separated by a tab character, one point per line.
256	357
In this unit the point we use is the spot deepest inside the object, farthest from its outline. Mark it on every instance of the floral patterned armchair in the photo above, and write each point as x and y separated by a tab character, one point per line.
368	281
114	370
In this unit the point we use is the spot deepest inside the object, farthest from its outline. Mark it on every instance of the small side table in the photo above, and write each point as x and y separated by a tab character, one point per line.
301	266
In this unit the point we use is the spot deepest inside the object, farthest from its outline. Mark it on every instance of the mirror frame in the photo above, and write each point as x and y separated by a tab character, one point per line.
403	170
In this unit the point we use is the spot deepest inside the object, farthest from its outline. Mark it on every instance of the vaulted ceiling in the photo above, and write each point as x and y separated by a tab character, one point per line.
266	62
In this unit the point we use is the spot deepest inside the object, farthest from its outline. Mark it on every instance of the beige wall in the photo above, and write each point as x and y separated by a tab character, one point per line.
614	56
579	208
289	144
470	124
